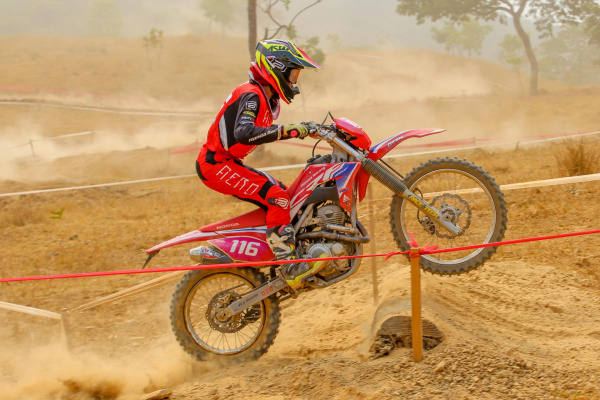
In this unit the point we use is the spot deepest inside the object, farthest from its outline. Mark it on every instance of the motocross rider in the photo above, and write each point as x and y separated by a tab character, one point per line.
245	121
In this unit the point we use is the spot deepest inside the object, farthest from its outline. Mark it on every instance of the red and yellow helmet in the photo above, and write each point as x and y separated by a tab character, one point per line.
279	63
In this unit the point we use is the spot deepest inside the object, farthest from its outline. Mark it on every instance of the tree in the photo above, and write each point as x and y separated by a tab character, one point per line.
570	57
269	7
545	13
105	18
220	11
153	42
252	28
462	36
511	53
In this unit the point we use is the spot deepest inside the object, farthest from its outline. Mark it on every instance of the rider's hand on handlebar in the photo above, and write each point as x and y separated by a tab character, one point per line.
312	129
299	131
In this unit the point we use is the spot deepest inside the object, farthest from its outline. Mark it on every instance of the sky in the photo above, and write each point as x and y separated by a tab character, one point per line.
354	22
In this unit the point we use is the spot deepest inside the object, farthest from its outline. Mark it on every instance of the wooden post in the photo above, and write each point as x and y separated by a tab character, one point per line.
415	295
373	246
66	327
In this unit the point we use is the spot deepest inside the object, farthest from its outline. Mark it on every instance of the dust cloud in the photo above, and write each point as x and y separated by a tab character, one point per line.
51	371
27	153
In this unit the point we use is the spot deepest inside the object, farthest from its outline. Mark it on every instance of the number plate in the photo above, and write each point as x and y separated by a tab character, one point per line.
244	248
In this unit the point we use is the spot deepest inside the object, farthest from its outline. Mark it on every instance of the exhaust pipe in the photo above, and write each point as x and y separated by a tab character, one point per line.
209	255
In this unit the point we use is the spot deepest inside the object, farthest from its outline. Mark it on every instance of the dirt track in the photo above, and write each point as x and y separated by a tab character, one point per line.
525	325
512	330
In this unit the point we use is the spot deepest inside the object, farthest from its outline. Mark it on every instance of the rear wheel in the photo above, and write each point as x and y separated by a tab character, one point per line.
463	193
204	329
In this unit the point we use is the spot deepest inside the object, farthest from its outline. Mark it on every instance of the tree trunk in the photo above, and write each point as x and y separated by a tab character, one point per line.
252	28
533	63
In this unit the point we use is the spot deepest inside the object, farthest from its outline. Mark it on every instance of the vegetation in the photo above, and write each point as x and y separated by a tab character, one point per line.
513	53
545	14
570	58
463	36
271	8
576	158
219	11
153	43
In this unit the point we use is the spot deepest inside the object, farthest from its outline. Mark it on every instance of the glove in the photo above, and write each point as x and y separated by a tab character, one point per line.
299	131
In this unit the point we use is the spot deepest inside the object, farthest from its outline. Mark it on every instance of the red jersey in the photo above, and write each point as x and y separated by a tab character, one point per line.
243	122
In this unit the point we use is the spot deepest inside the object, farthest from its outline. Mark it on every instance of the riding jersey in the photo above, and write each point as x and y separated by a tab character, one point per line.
243	122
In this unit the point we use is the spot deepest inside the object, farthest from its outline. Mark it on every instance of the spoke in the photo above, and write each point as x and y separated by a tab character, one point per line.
245	336
244	339
226	341
201	335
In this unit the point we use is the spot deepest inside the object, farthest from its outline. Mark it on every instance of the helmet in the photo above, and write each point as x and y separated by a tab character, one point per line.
278	62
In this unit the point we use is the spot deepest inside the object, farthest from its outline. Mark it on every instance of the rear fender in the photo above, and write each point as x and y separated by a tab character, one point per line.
197	235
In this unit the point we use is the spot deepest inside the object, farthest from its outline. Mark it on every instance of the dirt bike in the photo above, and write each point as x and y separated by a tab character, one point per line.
233	313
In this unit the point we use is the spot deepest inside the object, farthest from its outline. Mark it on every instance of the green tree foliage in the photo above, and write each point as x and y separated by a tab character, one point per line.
512	51
105	18
311	46
153	43
570	57
545	13
463	36
220	11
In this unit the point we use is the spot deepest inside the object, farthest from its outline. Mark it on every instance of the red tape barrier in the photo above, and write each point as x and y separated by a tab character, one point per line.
423	251
191	267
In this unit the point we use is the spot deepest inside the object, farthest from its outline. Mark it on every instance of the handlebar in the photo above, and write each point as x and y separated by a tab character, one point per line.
329	134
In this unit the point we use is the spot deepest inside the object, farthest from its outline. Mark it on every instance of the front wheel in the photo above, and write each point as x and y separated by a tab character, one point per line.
463	193
205	331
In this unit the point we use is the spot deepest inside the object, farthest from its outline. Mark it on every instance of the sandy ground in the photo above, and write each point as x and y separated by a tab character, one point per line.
511	330
526	325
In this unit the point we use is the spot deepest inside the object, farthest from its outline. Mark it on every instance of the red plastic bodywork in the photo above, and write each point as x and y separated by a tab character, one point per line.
384	147
320	173
361	139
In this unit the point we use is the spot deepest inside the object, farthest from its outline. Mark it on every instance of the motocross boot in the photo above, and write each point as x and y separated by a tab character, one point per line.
282	241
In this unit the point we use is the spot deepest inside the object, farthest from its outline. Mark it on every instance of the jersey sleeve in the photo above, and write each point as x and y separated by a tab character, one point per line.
245	130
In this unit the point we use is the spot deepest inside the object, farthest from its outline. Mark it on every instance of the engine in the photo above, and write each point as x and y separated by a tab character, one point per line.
330	249
331	214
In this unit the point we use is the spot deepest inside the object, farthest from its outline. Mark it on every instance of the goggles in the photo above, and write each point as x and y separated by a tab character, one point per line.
292	76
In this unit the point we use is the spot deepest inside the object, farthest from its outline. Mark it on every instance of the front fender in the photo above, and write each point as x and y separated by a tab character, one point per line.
382	148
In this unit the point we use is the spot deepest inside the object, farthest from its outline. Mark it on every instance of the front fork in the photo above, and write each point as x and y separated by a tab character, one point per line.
391	181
